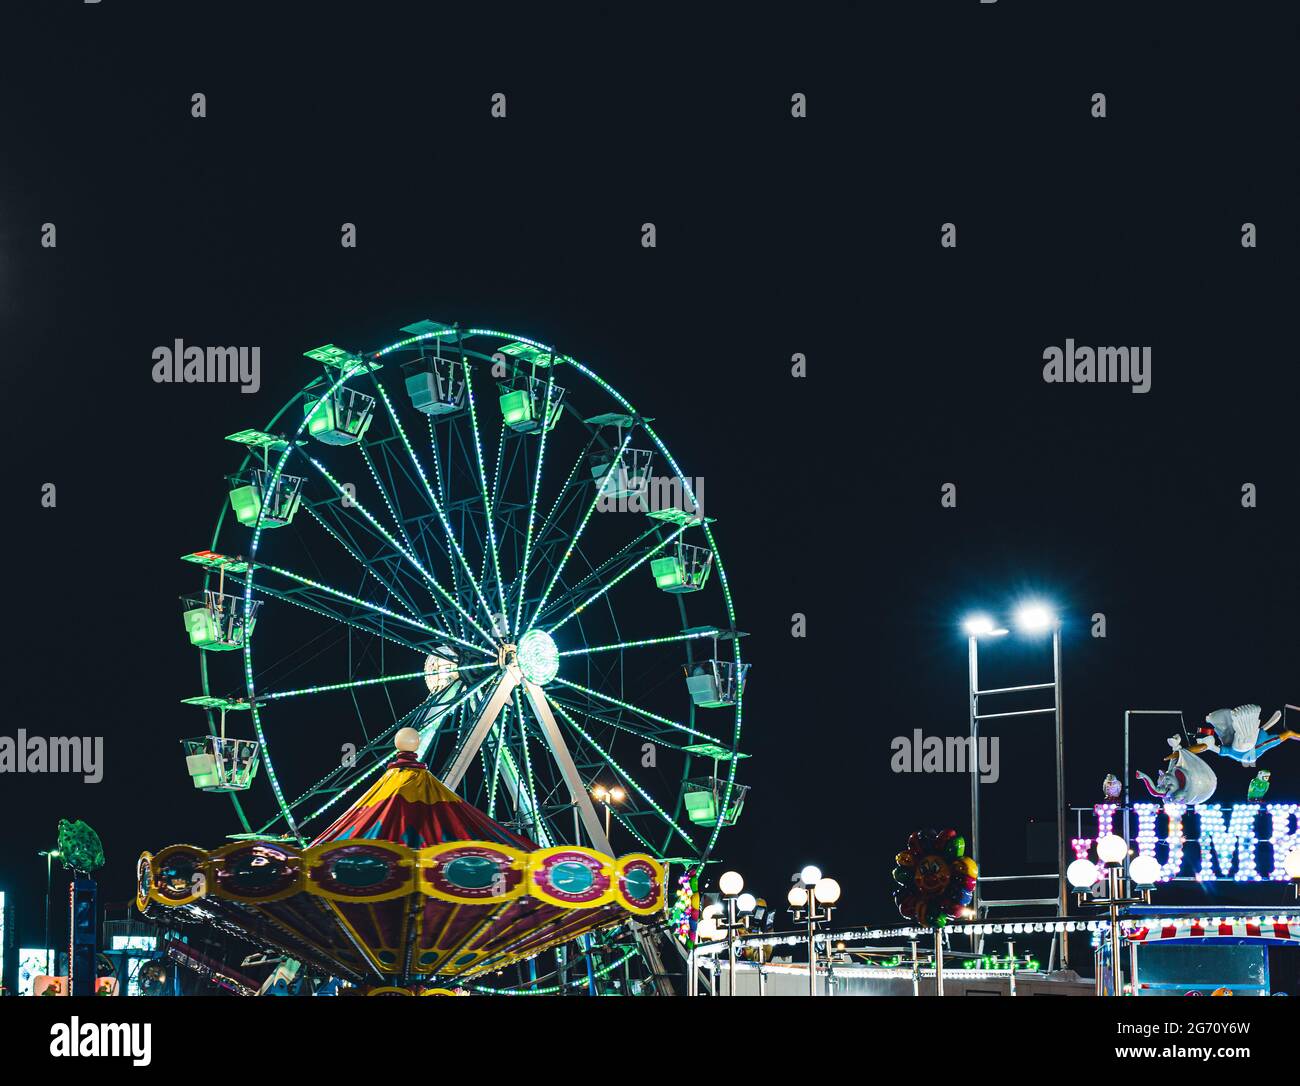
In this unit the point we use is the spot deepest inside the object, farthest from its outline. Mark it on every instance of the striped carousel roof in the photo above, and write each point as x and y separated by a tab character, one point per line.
410	806
411	882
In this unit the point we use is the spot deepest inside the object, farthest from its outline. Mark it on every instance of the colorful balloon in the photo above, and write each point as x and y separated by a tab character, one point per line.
936	879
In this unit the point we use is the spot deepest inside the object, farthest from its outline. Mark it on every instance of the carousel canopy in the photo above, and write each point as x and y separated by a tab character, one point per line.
410	882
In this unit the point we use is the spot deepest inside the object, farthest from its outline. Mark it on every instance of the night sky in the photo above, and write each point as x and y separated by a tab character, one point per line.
775	236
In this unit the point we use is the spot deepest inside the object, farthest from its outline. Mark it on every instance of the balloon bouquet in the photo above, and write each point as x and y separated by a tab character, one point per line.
936	879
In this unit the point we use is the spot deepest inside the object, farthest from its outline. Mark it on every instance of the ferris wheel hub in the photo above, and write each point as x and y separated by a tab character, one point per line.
537	656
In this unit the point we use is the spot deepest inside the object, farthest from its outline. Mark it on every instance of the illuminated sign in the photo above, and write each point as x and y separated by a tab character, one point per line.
1245	842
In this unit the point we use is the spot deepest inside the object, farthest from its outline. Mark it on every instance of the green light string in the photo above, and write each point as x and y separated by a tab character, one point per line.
433	581
344	374
639	644
370	748
568	482
620	770
627	825
635	565
656	740
573	542
740	690
437	508
320	586
532	505
482	476
392	512
329	687
595	573
635	709
392	591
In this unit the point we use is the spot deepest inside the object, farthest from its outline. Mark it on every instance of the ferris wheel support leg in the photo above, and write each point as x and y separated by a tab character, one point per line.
510	678
560	751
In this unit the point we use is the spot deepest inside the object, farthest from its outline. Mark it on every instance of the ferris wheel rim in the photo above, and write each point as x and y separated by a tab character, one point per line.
459	337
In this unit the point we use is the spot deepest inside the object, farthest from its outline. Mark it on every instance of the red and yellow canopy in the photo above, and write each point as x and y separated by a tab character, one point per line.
411	882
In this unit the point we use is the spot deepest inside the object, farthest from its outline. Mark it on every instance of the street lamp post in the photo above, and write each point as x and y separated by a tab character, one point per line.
1112	850
606	797
810	890
50	856
730	885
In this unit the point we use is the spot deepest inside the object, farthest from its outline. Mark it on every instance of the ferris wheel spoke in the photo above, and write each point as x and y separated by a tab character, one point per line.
328	688
623	773
424	573
532	505
380	749
433	500
649	735
615	580
575	591
573	542
399	518
694	635
489	519
354	552
364	607
644	713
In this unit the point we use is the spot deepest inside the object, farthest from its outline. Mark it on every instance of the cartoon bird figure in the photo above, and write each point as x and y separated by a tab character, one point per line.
1259	786
1235	733
1111	786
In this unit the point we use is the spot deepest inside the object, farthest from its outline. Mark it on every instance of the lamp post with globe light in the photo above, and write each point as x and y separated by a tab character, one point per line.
810	890
607	797
730	885
1143	871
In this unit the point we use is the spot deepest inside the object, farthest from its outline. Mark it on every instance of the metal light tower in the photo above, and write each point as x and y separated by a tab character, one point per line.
1030	618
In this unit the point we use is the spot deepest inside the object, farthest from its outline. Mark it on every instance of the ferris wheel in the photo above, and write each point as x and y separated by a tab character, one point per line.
473	535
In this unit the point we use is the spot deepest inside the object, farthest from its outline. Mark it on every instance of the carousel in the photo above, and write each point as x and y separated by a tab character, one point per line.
411	887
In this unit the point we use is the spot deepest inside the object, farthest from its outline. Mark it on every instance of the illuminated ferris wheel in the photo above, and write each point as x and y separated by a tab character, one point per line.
470	534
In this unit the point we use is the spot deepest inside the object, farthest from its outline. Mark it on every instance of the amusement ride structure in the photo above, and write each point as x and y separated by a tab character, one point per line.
472	547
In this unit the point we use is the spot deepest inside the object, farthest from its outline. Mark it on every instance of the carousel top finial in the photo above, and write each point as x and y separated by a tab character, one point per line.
407	739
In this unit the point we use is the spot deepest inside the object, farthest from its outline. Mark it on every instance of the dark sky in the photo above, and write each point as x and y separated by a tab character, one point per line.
775	236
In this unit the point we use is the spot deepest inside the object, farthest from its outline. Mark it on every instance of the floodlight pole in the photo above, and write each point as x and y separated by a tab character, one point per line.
1061	899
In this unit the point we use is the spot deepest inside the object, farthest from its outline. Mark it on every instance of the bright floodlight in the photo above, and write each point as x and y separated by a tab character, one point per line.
745	903
1033	617
616	794
1081	874
810	875
1112	849
798	897
1144	870
731	883
1291	865
978	625
827	891
600	793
